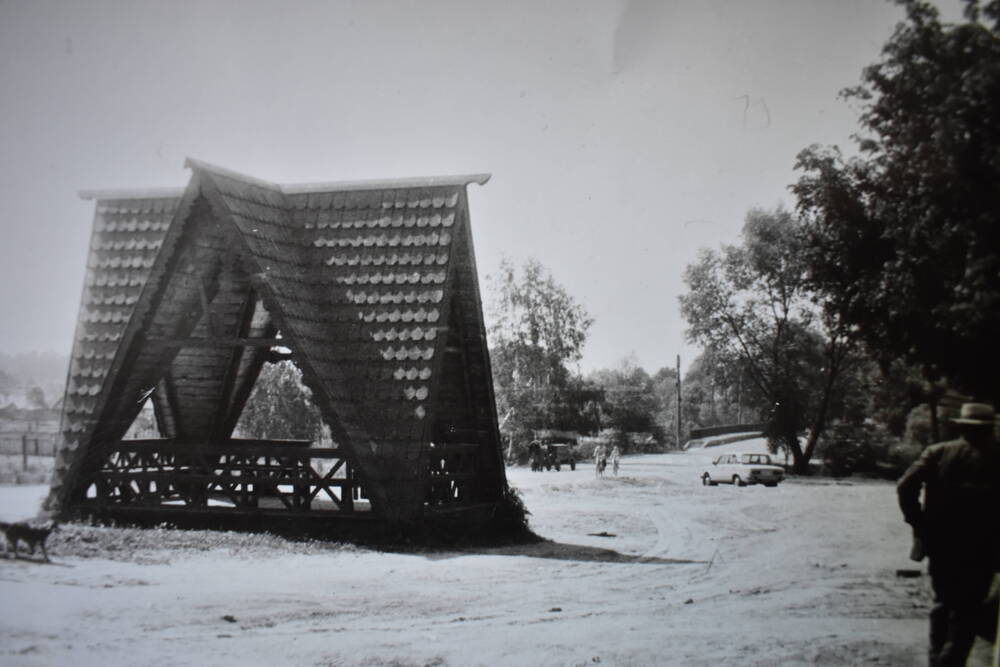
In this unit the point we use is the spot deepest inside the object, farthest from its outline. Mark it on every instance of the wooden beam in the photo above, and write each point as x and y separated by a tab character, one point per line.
233	367
206	310
218	342
170	402
248	376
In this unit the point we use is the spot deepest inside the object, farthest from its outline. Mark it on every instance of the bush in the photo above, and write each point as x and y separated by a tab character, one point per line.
849	449
918	426
614	436
586	446
516	452
902	454
644	443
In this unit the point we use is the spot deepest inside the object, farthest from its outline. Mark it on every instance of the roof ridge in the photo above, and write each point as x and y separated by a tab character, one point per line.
199	165
453	180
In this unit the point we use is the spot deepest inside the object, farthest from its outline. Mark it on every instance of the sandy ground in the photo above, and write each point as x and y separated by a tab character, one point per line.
649	568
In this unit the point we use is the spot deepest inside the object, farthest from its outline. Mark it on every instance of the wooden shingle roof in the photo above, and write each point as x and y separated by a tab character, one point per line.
372	287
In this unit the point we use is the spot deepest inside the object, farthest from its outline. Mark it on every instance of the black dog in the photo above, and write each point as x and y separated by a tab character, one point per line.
32	536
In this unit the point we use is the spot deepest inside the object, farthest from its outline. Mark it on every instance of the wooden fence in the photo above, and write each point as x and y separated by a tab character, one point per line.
29	443
237	476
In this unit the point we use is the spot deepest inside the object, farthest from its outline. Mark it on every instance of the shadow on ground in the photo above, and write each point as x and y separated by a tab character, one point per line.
564	551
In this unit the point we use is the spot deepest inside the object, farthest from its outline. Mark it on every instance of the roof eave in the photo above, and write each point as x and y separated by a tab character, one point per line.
135	193
457	180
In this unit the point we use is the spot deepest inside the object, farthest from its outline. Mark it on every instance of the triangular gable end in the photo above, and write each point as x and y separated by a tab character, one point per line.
370	287
127	242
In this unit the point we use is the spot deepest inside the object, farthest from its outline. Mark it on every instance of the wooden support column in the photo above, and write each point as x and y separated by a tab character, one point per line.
233	367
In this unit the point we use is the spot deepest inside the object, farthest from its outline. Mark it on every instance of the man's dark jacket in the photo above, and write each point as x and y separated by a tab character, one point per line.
960	518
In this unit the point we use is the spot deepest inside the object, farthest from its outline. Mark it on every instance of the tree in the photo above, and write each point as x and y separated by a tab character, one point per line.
750	308
280	406
630	403
904	238
898	389
36	397
536	330
536	321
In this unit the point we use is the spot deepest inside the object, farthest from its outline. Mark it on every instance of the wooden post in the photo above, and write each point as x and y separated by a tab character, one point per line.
678	401
739	398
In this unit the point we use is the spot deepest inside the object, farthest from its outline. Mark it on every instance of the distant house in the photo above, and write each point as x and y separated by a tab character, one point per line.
34	429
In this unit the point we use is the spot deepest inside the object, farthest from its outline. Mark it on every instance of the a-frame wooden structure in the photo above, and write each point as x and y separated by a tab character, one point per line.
369	288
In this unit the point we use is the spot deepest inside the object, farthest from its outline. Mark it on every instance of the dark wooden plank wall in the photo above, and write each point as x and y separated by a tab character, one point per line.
465	404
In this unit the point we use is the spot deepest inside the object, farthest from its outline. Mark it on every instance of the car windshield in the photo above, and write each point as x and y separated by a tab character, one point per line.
762	459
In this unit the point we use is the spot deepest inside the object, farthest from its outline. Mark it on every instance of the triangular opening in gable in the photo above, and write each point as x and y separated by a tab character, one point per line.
280	406
147	424
281	409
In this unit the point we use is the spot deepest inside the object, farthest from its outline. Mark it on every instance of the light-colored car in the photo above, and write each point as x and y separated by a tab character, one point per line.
743	469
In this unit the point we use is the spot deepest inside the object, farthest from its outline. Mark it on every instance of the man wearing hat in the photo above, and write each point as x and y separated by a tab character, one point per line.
959	526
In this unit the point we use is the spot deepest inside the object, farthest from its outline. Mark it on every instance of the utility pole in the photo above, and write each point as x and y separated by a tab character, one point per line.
739	397
678	401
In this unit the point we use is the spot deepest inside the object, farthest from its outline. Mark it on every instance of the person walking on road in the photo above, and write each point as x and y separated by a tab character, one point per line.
600	459
616	459
958	528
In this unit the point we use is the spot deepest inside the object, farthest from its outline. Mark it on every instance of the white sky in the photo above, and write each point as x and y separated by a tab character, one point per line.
622	136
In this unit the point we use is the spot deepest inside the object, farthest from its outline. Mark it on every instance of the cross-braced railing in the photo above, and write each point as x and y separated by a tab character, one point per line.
239	475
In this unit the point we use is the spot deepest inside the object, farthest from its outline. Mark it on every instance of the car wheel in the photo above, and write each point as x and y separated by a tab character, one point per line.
572	465
705	480
558	468
738	481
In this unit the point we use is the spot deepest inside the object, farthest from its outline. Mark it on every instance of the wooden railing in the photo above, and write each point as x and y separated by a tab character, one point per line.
242	476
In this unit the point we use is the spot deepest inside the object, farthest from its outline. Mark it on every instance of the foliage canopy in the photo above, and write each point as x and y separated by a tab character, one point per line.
904	239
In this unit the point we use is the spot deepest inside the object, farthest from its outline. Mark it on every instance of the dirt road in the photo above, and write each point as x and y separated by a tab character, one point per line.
649	568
